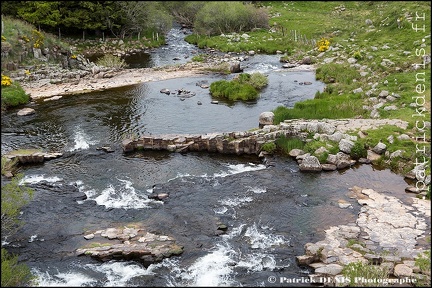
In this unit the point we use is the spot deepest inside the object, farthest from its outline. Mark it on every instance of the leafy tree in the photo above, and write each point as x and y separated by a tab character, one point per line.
184	11
38	13
138	16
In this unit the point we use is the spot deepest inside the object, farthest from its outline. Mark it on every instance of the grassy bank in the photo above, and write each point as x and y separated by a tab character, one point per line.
363	51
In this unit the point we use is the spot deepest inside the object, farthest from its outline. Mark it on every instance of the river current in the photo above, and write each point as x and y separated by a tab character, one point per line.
271	210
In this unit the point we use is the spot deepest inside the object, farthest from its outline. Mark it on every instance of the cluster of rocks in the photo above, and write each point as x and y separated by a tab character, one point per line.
70	70
129	243
385	234
30	156
182	93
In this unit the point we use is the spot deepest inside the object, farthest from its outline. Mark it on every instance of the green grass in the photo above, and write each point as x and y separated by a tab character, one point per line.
269	147
13	95
244	87
357	270
20	36
343	106
285	144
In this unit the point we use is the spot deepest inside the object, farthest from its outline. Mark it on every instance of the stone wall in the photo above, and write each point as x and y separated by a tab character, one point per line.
250	142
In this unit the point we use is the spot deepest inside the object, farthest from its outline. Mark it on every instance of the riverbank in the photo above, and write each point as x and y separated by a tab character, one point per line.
44	88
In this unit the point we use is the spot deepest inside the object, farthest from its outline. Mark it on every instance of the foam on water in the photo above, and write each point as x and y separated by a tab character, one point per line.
123	195
240	168
231	169
219	267
212	269
114	274
257	190
260	238
69	279
82	141
236	201
33	179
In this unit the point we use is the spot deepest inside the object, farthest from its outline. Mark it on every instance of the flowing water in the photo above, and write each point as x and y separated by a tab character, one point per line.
271	211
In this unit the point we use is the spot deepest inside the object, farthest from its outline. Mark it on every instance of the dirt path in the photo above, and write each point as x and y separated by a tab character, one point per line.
44	89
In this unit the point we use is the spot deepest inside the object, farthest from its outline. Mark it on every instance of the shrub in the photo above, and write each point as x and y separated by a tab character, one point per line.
226	17
357	55
269	147
258	80
12	94
287	144
8	165
198	58
111	61
14	274
13	198
358	151
323	44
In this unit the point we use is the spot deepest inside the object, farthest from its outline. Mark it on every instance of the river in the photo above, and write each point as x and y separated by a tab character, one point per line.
271	210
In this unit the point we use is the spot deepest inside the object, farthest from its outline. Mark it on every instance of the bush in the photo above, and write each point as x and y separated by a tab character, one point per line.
269	147
111	61
14	274
13	198
226	17
12	94
287	144
258	80
358	151
244	87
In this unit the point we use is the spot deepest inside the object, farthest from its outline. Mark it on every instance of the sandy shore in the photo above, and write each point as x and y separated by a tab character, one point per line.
44	89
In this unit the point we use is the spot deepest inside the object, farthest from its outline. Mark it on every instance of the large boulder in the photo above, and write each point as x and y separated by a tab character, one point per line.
266	118
235	67
26	111
310	164
345	146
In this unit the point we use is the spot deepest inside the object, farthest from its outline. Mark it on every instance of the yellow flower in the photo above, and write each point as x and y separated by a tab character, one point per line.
3	38
323	44
73	56
27	72
5	80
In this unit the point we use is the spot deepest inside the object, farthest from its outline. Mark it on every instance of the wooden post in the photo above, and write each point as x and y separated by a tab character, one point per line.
83	35
295	35
59	34
103	36
139	34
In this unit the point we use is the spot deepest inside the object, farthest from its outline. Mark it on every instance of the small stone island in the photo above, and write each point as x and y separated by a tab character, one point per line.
129	243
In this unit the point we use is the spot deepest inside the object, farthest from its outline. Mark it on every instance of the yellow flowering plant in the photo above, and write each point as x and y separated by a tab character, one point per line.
5	80
323	44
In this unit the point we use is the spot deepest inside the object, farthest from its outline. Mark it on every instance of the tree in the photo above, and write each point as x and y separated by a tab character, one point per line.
227	17
138	16
184	11
45	13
